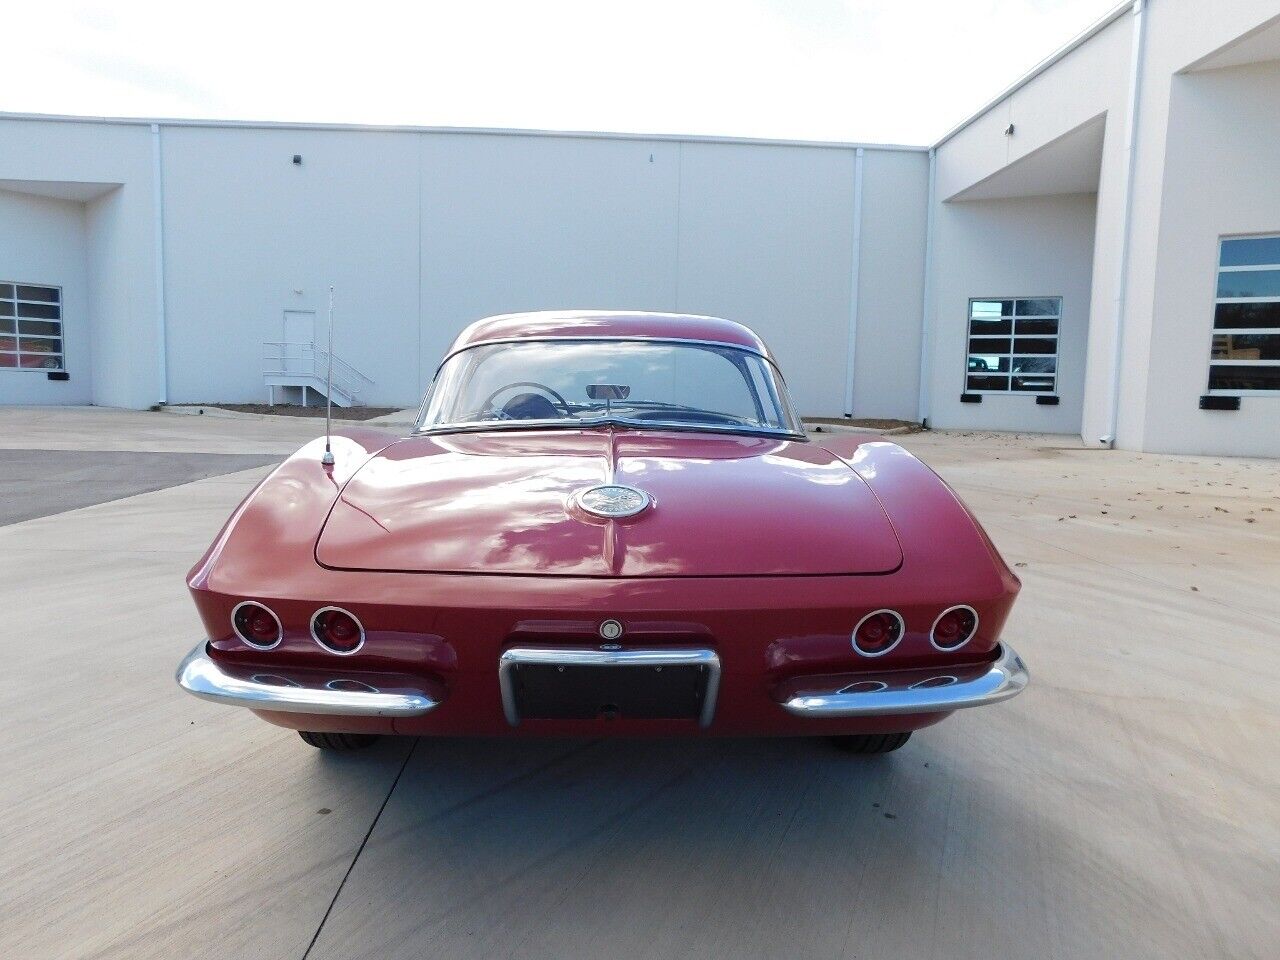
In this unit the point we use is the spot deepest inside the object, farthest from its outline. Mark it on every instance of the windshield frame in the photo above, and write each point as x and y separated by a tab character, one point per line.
785	404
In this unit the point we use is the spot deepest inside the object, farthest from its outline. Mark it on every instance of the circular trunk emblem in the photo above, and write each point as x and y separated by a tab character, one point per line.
610	630
613	500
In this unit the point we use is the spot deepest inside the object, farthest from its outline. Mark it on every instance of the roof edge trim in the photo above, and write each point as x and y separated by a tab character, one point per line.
474	131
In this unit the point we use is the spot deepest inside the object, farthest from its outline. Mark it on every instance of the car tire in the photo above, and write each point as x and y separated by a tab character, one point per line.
337	741
865	744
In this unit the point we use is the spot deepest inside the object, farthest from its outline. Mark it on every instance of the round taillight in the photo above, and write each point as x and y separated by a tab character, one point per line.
878	632
337	630
954	628
256	625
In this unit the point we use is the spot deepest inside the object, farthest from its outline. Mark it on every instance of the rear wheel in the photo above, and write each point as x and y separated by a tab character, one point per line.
337	741
868	743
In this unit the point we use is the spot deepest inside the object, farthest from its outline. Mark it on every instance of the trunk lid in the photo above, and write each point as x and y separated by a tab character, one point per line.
503	503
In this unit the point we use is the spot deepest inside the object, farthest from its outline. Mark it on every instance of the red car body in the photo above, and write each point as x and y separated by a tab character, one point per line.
465	557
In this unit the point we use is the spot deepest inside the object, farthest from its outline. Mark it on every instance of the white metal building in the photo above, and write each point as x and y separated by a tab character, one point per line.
1096	252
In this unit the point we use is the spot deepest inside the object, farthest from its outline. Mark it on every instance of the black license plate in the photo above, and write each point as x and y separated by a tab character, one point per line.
635	692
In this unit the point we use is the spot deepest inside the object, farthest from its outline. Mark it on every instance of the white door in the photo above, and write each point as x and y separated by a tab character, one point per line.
299	340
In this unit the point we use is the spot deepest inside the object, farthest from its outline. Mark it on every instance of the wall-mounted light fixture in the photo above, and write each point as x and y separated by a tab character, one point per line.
1008	132
297	159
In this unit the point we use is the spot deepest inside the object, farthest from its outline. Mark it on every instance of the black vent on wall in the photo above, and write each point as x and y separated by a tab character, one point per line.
59	375
1047	401
970	398
1209	402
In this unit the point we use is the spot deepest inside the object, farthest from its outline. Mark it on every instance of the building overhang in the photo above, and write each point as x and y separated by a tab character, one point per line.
80	191
1072	163
1257	46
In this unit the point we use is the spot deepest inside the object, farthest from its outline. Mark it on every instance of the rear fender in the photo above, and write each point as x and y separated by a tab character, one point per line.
944	547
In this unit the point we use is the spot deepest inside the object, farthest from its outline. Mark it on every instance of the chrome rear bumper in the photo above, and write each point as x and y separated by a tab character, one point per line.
200	676
930	691
886	694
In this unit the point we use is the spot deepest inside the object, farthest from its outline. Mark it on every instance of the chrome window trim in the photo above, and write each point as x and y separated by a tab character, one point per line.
902	632
249	643
471	426
588	657
324	646
972	633
480	426
607	338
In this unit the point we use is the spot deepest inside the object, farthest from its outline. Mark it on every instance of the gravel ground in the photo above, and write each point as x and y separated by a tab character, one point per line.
872	423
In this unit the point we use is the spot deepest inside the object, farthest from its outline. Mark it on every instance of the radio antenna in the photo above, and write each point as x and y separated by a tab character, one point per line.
327	459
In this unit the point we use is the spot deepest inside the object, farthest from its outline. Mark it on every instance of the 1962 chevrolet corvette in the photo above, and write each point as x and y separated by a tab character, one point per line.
603	524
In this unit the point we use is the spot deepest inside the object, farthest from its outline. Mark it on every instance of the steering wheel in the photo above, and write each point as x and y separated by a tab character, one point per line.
487	406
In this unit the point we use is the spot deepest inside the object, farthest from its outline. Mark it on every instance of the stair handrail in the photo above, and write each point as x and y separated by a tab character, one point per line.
304	358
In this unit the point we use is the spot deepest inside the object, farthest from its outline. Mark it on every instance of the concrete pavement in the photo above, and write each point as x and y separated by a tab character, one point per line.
1127	805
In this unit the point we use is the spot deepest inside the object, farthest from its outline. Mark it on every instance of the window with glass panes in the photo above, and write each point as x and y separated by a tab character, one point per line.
1245	353
1013	345
30	327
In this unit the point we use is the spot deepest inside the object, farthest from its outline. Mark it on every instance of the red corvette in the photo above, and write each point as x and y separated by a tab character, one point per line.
603	524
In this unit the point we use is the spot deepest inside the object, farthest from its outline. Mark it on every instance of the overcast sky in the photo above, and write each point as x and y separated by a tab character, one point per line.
892	71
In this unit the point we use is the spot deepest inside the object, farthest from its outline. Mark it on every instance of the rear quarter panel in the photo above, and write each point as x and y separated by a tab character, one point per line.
947	556
266	547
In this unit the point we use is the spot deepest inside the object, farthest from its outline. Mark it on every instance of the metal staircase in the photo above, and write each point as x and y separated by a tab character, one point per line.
305	366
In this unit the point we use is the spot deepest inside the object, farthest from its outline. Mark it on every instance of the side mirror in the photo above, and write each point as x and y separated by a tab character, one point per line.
608	391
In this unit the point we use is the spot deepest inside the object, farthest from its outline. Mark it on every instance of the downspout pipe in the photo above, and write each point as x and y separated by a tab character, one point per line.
926	298
855	270
157	238
1126	225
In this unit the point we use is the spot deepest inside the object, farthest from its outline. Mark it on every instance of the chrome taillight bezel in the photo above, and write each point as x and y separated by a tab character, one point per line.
235	627
902	632
315	635
938	619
